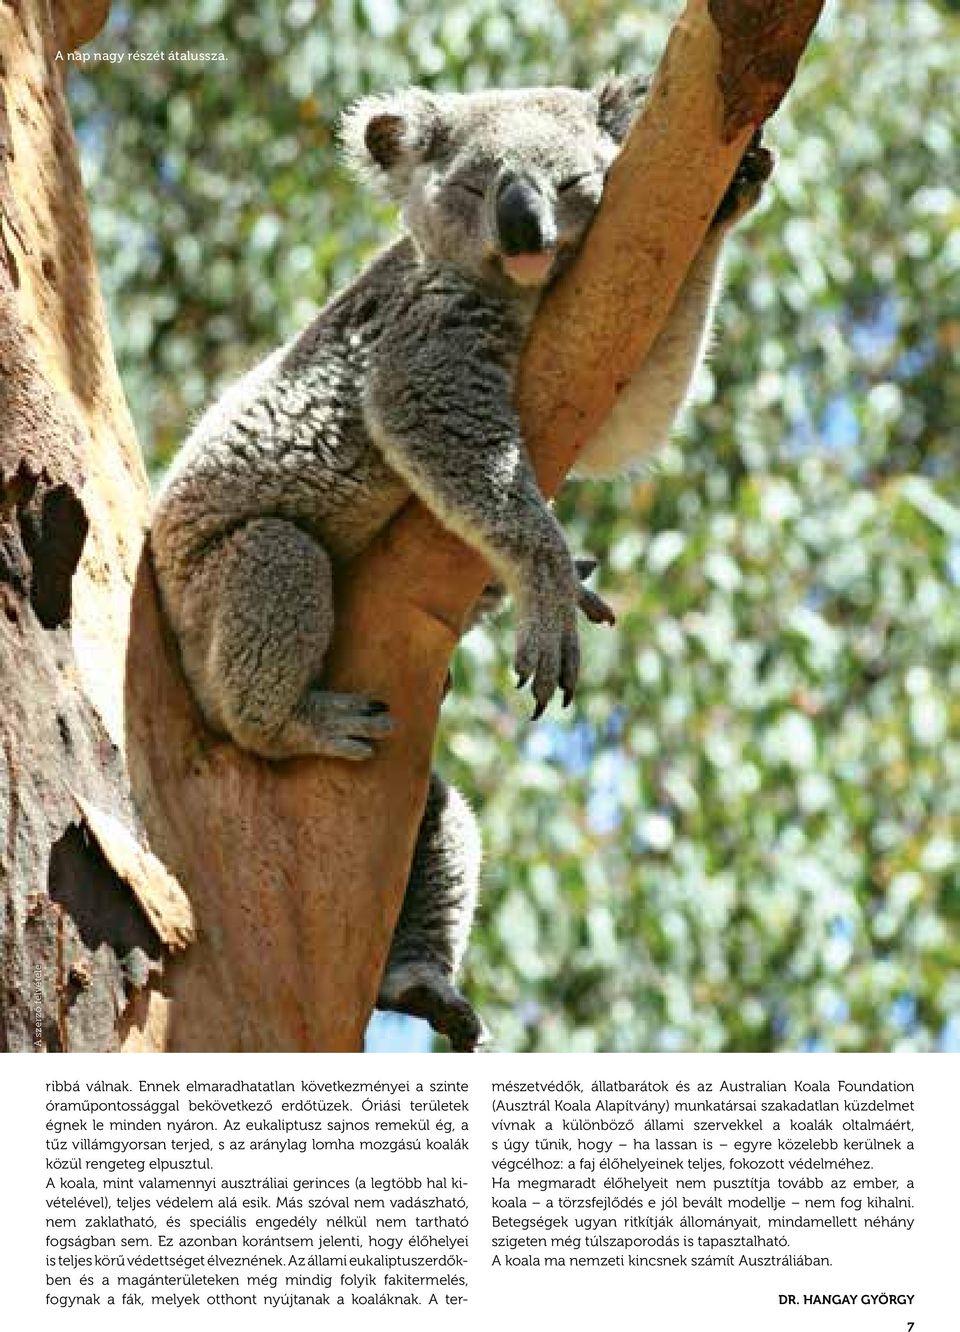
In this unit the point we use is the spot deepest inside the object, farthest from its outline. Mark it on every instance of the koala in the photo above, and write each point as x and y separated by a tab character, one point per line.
403	385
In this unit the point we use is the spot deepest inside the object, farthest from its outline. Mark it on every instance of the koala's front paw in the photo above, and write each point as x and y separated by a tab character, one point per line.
744	191
548	649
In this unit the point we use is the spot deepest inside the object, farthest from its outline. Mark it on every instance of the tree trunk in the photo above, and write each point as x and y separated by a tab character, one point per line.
296	871
89	915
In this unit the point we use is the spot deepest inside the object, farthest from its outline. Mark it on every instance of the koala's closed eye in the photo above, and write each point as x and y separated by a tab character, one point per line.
572	182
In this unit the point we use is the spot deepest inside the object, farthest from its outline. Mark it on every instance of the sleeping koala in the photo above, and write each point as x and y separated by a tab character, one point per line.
403	384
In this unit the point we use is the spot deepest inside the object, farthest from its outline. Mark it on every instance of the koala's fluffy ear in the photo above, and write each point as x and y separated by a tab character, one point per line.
618	101
384	138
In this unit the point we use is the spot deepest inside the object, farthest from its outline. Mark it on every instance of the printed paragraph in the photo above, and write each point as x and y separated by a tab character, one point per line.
655	1173
277	1194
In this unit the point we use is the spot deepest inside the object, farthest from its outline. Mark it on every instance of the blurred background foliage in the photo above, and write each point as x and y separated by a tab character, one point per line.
746	833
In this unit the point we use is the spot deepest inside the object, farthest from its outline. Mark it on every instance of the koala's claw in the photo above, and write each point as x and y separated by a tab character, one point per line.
548	648
595	608
569	661
744	191
551	658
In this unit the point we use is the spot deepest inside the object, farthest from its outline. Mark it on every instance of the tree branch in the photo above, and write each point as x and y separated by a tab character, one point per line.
297	871
78	21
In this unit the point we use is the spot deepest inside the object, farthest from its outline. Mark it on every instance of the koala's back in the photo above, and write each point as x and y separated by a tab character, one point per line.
288	440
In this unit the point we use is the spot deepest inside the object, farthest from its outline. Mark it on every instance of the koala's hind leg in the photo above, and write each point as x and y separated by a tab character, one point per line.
271	624
435	919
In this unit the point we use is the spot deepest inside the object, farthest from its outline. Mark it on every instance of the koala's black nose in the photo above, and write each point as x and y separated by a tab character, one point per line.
524	222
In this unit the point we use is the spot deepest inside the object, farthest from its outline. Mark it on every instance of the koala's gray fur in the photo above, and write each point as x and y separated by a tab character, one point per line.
404	383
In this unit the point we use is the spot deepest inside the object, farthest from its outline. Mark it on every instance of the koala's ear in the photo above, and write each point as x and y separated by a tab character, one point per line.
618	101
384	138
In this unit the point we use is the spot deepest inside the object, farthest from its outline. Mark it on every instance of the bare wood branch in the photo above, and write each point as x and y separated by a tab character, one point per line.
78	21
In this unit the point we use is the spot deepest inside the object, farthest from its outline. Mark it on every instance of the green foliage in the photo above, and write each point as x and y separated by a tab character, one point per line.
747	833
